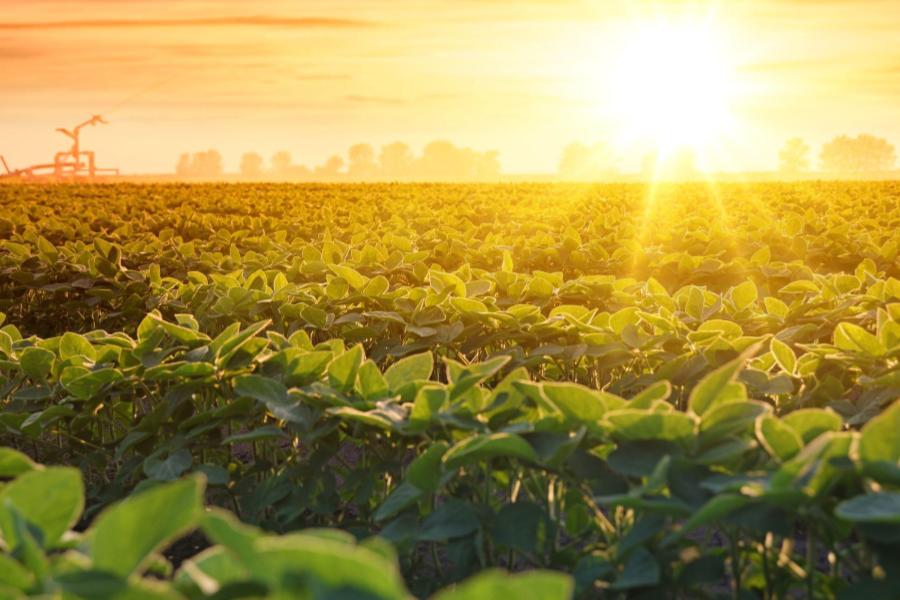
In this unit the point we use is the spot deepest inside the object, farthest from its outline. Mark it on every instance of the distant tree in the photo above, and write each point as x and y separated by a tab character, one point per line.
442	161
207	165
362	165
331	169
580	161
281	163
251	165
396	161
862	154
183	168
794	157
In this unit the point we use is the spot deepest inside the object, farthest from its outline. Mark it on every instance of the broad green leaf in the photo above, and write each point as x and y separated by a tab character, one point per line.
579	403
784	355
87	385
13	463
854	338
425	471
50	499
370	382
715	388
484	446
73	345
641	570
411	368
343	369
882	507
879	446
779	439
169	468
496	584
402	497
454	518
660	390
633	425
712	512
125	535
744	295
36	362
809	423
350	275
335	567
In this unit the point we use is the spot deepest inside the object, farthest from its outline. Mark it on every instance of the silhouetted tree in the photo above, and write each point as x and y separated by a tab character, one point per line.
396	161
582	162
281	163
331	169
201	164
183	168
794	157
251	165
862	154
362	165
442	161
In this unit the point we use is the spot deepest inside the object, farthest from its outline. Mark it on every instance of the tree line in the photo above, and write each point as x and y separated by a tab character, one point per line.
439	161
444	161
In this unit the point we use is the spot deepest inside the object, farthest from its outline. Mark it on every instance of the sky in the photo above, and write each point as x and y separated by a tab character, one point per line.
524	78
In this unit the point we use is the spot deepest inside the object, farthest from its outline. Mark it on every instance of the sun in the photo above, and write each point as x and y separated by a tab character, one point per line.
672	85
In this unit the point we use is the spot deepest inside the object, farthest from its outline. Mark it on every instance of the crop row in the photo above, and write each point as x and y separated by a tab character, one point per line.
465	466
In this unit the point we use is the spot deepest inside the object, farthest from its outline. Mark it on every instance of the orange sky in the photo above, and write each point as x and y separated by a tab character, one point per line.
314	76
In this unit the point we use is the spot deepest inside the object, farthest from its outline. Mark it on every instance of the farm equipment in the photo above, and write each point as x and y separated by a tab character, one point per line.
68	165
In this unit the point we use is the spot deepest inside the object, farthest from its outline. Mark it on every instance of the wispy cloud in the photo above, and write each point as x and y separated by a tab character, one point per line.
245	21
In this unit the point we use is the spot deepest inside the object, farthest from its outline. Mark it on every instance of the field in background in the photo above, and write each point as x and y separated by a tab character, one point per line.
676	390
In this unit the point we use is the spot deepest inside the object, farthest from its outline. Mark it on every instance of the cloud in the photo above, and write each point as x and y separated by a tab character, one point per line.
246	21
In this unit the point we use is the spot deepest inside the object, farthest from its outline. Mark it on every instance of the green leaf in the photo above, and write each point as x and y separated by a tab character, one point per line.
50	499
371	383
810	423
89	384
425	471
484	446
343	369
644	400
716	387
779	439
496	584
335	567
641	570
784	355
522	525
73	345
260	388
879	446
579	403
882	507
266	432
13	463
715	509
170	468
402	497
180	333
854	338
351	275
633	425
744	295
454	518
412	368
126	534
36	362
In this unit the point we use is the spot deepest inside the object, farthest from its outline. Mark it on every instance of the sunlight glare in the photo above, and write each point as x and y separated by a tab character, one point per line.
672	86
